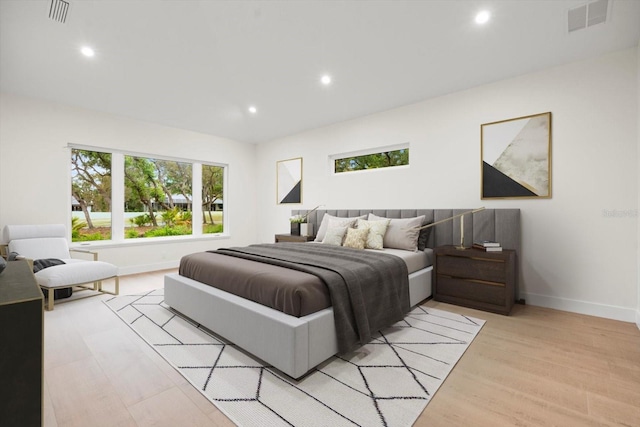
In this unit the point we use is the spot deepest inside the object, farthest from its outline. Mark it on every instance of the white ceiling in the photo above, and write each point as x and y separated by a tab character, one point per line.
198	65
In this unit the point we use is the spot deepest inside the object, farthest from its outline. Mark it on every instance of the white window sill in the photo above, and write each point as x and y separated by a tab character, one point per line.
143	241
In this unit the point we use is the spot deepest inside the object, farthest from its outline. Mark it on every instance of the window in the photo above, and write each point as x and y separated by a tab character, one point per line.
91	195
371	160
157	199
212	202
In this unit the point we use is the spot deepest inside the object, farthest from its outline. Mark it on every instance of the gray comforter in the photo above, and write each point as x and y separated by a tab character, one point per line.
369	290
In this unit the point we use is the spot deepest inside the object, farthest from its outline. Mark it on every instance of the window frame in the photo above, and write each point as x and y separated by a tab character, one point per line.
117	199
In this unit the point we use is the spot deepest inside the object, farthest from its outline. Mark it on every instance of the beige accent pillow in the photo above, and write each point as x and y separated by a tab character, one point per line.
334	236
377	230
356	238
402	233
324	225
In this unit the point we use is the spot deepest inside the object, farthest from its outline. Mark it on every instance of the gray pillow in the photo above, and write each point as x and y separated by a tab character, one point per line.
402	233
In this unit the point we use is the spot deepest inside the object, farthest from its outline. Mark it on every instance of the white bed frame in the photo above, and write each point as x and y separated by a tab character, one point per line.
294	345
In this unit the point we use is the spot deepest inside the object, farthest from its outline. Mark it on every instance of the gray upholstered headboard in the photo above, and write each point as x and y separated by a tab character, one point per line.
501	225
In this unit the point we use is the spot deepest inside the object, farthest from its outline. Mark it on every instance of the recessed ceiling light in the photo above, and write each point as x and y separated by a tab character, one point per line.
252	109
482	17
87	51
326	80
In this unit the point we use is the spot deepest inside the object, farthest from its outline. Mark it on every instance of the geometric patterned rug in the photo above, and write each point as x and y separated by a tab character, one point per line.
387	382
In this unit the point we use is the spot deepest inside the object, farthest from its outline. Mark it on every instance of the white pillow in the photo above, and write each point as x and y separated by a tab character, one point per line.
402	233
377	230
356	238
334	236
345	222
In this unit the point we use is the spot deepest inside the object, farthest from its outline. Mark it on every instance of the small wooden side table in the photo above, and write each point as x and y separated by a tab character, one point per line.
292	238
475	278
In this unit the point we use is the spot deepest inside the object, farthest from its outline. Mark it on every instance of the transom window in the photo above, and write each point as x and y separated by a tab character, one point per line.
371	159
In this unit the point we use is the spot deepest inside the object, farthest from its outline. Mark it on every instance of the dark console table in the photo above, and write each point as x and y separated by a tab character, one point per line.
21	346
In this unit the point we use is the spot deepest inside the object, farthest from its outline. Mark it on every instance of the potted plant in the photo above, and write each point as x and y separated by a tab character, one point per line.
299	224
296	220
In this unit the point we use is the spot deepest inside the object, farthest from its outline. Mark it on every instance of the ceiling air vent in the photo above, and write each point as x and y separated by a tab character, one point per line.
587	15
58	10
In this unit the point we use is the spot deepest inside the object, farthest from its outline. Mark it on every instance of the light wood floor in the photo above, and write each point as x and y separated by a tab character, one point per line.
537	367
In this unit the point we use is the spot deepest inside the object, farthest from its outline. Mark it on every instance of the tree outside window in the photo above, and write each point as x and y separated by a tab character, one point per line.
91	192
212	199
158	197
384	159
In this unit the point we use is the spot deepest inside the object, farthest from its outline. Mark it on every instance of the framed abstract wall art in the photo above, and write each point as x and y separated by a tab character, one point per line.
289	181
516	158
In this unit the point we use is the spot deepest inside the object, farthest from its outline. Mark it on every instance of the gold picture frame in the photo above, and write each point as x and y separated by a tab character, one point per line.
289	181
515	158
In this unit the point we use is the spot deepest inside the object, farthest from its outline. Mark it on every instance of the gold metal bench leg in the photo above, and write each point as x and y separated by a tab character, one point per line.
97	286
50	296
117	289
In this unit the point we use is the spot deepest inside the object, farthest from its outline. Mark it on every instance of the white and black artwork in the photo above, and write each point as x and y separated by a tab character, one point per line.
516	158
289	181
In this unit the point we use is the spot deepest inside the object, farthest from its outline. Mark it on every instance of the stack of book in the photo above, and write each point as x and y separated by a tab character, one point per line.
487	245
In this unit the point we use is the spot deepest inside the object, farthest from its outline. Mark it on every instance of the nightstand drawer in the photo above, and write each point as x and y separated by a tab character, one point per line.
471	290
490	270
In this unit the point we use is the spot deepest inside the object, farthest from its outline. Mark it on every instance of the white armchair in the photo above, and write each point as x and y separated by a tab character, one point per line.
49	241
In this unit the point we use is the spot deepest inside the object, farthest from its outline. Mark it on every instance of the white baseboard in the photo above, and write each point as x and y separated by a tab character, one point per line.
638	318
146	268
625	314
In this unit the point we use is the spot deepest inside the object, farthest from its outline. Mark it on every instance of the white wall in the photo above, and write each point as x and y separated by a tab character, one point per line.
35	172
574	257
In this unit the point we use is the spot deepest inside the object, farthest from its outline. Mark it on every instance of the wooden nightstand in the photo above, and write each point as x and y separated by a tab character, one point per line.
475	278
292	238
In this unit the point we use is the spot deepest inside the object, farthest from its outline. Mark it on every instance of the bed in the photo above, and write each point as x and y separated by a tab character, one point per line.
295	344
